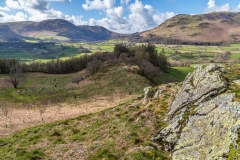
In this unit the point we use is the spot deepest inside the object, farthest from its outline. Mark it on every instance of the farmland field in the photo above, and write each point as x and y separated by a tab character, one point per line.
66	50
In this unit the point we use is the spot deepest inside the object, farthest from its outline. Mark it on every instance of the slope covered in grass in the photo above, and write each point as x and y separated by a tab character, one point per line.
40	87
122	132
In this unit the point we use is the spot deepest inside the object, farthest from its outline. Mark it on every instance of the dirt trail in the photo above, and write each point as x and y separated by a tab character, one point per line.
13	119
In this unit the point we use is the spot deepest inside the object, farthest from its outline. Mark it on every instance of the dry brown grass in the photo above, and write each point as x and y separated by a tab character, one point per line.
15	118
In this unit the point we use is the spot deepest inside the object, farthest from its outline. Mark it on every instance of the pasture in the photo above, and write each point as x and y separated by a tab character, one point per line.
65	50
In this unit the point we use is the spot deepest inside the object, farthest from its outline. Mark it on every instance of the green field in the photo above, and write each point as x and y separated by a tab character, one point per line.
66	50
174	74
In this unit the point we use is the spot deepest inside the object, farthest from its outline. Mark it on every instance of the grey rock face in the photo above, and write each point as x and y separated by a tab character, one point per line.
203	120
200	85
150	92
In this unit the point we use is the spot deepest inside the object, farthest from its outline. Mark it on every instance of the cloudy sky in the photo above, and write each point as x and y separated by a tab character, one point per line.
124	16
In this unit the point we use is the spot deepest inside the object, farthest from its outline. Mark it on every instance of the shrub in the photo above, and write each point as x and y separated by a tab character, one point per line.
222	57
119	49
147	68
94	66
77	79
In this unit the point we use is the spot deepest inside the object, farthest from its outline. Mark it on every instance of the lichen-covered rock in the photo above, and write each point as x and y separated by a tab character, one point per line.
203	120
151	93
200	85
148	93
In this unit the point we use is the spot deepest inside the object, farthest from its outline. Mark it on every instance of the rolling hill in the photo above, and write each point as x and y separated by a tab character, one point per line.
55	29
212	28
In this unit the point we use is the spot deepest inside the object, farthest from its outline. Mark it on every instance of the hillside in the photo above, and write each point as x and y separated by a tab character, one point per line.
196	119
212	28
55	29
6	34
121	129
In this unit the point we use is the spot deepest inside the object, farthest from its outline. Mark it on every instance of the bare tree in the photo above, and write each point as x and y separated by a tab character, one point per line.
16	76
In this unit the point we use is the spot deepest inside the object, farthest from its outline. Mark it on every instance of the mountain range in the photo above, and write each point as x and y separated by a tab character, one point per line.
211	28
55	28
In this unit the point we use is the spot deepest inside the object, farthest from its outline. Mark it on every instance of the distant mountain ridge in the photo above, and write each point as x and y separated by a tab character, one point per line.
14	31
211	28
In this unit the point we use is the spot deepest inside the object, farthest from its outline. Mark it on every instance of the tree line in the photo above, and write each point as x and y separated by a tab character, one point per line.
136	55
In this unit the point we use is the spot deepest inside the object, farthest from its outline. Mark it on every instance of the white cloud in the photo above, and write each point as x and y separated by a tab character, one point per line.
4	8
116	14
19	16
211	3
98	4
161	17
140	17
36	9
77	20
13	4
212	7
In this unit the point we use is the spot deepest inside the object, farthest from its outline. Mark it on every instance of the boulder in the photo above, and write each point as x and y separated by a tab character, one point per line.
150	92
203	120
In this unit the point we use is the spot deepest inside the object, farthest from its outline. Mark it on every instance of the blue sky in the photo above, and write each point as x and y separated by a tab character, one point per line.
124	16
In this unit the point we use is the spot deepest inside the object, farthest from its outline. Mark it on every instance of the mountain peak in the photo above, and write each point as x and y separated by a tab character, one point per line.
58	27
209	28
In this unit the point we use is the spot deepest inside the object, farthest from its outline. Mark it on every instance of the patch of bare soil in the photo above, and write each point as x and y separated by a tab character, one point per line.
15	118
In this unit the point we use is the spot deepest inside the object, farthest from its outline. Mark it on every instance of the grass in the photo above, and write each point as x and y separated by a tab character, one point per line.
174	74
72	50
235	56
37	88
48	53
120	132
57	88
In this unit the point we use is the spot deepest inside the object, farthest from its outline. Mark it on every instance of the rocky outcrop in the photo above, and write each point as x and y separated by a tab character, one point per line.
203	120
150	92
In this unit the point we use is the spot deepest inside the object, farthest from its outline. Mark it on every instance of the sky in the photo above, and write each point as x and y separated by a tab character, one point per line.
122	16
